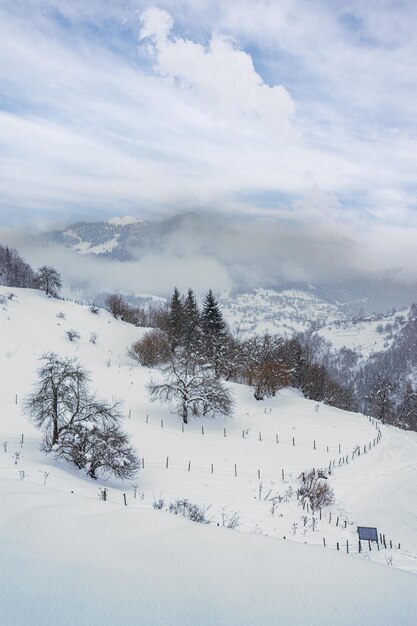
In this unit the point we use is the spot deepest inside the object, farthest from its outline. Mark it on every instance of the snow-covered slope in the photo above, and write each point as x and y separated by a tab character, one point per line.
278	312
107	563
367	335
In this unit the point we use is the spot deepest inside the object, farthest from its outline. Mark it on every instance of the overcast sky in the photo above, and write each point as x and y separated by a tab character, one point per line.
302	110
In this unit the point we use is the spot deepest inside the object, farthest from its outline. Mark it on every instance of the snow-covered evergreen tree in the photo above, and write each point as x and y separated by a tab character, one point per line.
214	333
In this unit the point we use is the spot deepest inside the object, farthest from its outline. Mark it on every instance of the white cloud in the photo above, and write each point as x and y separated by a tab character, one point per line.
220	76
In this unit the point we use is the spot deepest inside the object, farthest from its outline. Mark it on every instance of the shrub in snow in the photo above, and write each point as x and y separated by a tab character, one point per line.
316	490
93	338
153	349
158	504
94	309
191	511
5	297
230	519
73	335
60	315
120	309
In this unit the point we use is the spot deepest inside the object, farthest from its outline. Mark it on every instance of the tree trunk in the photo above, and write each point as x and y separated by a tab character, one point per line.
55	431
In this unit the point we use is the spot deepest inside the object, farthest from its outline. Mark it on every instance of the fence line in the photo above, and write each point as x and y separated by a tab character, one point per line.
276	438
362	546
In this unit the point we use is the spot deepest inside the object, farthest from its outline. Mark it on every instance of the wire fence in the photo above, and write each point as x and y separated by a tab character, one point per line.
275	438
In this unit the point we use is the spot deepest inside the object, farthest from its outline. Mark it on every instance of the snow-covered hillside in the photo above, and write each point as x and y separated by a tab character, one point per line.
107	563
365	336
278	312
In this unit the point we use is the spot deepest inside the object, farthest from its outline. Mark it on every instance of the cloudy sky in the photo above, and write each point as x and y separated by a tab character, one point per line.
299	110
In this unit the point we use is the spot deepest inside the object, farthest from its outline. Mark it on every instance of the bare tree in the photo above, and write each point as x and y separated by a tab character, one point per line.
94	448
264	367
49	280
61	399
191	389
78	427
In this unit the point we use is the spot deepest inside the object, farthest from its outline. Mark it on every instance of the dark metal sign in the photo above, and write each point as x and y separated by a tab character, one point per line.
368	533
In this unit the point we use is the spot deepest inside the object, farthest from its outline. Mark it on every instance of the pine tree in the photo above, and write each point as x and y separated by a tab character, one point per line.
192	325
213	322
14	272
176	320
214	332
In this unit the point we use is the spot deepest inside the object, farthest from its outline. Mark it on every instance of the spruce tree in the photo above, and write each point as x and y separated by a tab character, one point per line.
214	331
176	320
192	325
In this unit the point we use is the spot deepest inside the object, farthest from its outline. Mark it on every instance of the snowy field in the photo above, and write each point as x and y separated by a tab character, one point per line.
363	336
67	557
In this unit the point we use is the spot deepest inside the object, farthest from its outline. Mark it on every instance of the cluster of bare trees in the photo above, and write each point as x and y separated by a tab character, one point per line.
118	306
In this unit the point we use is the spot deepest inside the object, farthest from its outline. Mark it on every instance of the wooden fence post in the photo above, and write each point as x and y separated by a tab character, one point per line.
235	470
166	465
